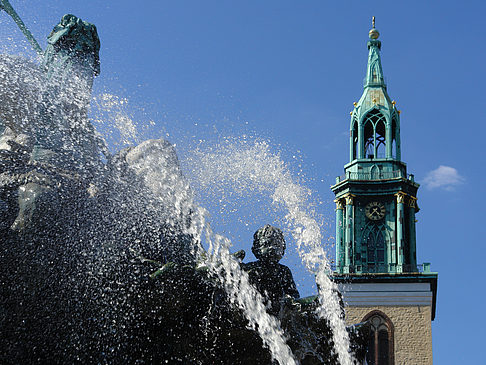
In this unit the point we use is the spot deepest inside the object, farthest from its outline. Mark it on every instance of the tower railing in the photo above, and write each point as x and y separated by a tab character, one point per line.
423	268
380	175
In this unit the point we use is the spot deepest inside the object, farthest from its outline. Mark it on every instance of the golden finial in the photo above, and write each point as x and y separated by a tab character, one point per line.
350	113
374	34
394	102
355	104
399	112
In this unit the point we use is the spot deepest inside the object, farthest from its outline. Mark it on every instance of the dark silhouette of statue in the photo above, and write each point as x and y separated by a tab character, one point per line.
272	279
73	44
94	264
69	63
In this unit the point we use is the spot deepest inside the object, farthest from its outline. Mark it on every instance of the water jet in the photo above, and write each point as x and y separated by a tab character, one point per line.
107	258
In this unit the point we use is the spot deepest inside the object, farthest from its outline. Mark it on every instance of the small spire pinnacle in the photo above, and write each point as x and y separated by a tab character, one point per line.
374	73
374	34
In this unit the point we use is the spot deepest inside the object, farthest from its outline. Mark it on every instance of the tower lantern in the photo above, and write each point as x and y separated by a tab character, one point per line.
376	202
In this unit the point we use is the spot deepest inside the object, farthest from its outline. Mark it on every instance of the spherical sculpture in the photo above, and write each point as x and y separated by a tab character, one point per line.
374	34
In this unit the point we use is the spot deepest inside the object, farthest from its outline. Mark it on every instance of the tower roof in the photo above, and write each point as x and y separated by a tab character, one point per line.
375	95
374	71
374	85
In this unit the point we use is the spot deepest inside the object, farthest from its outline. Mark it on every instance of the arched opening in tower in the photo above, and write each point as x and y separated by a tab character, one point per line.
375	135
380	136
369	139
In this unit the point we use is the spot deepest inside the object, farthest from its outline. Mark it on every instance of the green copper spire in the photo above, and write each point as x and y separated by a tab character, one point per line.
374	72
375	121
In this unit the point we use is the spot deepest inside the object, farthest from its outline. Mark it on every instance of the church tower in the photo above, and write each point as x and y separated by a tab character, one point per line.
376	202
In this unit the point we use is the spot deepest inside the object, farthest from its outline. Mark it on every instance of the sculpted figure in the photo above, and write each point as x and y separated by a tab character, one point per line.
272	279
50	103
70	62
73	46
45	134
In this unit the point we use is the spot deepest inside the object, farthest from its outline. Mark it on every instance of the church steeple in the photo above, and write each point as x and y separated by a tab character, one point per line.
375	120
376	198
376	202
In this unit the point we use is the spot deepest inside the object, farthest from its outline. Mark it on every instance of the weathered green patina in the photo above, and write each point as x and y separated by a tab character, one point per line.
73	44
375	199
60	129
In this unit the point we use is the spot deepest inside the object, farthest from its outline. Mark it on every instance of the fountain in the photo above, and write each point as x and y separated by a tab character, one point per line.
107	258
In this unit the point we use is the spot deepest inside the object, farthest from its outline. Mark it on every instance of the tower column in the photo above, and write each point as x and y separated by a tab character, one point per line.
412	204
349	238
339	235
360	141
389	138
351	145
397	139
400	229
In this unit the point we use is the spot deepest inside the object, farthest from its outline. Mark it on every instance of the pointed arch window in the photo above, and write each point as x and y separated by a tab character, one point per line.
380	136
374	245
375	172
374	75
375	134
369	139
380	345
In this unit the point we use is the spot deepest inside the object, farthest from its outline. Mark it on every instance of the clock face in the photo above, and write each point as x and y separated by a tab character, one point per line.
375	211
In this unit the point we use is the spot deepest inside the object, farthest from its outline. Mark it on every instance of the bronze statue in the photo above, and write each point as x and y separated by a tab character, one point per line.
272	279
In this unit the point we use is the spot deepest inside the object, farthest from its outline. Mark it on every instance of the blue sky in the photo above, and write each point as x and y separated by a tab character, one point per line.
288	72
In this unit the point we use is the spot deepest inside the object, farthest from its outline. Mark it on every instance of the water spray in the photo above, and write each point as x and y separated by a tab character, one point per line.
5	5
